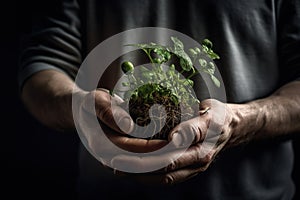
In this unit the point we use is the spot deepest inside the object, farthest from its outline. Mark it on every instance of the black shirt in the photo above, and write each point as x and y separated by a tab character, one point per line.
259	45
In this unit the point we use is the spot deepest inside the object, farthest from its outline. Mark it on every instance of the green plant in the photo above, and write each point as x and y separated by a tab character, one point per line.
168	82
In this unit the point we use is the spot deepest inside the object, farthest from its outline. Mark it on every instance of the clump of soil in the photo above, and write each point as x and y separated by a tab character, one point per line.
166	115
160	107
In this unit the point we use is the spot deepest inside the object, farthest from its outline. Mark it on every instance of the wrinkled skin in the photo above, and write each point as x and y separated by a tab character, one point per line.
191	161
48	96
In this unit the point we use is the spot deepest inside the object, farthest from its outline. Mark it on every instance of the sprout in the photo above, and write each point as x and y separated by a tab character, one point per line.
166	86
207	43
127	66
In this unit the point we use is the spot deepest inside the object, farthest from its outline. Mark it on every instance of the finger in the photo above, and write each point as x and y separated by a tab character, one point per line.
208	124
138	164
181	170
189	163
161	179
189	132
197	155
204	110
107	110
136	145
178	176
194	130
215	113
206	104
117	98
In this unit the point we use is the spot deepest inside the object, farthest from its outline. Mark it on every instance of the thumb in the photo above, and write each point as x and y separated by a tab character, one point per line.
107	109
121	119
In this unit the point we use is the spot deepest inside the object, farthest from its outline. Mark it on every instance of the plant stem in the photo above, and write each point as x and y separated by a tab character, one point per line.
149	55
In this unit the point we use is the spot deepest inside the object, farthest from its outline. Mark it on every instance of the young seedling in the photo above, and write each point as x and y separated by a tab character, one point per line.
166	86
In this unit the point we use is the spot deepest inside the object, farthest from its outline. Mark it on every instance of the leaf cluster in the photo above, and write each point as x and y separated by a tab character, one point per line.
170	82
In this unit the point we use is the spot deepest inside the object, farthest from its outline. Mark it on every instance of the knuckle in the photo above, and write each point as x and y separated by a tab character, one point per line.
172	166
198	155
205	103
199	134
103	113
168	179
208	158
223	137
193	132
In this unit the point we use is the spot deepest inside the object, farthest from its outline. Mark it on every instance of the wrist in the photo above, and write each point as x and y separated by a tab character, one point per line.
246	123
48	97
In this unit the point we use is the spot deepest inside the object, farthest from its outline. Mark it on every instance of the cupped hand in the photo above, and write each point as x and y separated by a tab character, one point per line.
105	127
198	141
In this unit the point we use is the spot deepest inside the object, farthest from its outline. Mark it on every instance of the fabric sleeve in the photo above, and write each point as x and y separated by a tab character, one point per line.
288	17
53	41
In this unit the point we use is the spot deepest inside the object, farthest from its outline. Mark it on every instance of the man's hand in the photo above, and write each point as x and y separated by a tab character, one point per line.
48	96
114	128
52	97
196	143
211	132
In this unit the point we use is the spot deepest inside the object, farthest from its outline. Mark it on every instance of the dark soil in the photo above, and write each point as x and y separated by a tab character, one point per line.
164	112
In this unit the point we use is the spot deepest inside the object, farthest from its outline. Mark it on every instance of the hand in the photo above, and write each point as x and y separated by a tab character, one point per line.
204	137
115	123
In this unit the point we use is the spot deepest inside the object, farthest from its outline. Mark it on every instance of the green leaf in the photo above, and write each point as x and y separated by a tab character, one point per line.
202	62
207	43
188	82
144	69
174	99
211	68
168	78
207	48
215	80
197	50
184	65
125	84
164	55
192	52
178	45
157	60
147	46
213	55
172	67
185	61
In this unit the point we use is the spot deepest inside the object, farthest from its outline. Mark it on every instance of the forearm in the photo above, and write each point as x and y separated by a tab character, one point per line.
48	97
275	116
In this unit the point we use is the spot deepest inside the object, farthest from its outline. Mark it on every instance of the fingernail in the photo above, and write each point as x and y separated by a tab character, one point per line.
168	180
202	112
177	139
125	124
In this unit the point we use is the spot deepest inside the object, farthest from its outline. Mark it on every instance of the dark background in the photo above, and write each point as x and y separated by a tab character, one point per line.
37	162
